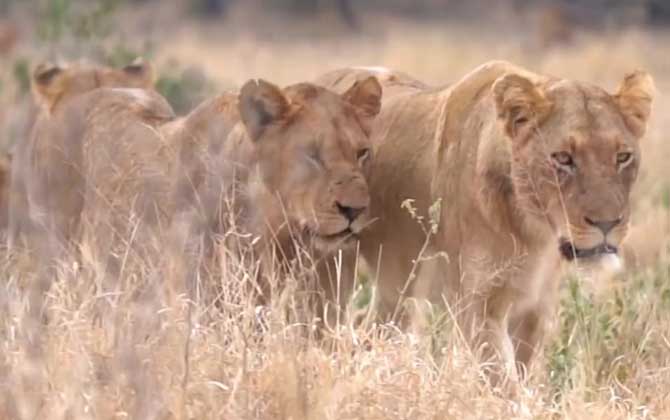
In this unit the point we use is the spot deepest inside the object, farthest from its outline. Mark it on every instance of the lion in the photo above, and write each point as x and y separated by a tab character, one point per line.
522	172
93	170
54	86
289	164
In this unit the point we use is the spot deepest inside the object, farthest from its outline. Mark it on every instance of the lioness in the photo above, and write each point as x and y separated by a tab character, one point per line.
529	170
54	87
288	163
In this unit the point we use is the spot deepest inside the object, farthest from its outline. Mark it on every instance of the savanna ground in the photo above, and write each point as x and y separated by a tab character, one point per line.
140	352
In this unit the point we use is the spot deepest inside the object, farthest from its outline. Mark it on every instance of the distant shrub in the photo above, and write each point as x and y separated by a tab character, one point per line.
184	88
79	19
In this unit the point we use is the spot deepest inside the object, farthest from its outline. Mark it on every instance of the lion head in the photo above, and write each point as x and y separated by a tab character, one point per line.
312	148
53	83
575	154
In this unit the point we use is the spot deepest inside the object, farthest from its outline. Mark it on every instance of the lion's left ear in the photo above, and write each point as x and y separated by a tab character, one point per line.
634	99
366	97
520	104
261	104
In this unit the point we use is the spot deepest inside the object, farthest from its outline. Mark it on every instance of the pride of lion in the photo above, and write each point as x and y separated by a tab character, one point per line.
469	195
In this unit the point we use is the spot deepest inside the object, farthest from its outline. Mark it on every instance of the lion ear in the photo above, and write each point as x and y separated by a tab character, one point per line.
143	70
634	99
49	82
261	104
520	104
366	97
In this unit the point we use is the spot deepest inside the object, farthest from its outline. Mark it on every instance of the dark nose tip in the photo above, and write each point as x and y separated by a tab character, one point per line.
351	213
604	225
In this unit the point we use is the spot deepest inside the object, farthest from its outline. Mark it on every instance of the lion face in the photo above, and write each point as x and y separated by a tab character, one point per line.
575	156
54	83
312	148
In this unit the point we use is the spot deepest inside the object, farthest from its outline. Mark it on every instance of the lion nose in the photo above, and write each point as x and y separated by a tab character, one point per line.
351	213
605	226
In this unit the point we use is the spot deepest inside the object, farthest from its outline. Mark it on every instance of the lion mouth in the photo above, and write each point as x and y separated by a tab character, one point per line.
571	252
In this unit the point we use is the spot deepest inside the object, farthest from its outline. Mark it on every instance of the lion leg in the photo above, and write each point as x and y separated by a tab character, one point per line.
487	326
496	351
527	332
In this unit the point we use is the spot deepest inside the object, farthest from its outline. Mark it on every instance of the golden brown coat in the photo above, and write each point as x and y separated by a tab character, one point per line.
527	169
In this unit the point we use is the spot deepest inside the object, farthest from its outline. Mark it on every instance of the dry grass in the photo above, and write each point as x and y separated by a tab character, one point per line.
138	351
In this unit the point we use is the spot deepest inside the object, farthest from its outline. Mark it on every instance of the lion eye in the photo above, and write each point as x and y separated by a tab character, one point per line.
362	155
624	158
563	159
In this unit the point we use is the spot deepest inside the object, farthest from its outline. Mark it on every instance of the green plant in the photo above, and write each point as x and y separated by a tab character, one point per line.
603	339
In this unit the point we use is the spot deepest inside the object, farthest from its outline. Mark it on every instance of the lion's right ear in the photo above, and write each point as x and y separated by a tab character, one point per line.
49	82
520	104
261	104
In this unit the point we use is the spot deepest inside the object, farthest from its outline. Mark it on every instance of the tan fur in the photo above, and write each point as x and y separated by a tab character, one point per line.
94	169
286	162
484	148
55	88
